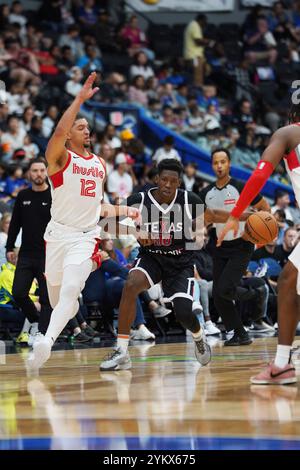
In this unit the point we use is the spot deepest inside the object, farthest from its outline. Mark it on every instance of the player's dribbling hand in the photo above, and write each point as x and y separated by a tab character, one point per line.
231	224
87	91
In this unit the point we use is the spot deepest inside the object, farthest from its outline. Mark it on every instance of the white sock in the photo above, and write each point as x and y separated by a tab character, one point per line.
198	335
34	328
282	355
26	326
122	342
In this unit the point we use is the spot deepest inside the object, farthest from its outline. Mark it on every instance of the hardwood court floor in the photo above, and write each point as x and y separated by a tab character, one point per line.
165	402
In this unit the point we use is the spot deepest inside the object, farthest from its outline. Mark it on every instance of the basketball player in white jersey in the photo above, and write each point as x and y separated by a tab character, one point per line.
284	144
72	235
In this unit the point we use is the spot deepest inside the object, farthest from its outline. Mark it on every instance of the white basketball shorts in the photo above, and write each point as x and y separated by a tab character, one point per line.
67	245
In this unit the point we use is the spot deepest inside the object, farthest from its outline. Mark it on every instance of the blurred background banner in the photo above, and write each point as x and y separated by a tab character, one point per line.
252	3
179	5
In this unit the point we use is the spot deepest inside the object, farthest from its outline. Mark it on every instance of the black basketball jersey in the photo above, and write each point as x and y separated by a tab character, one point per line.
170	225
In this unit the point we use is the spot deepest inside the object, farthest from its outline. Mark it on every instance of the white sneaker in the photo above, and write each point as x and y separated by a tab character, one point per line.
161	311
116	360
275	326
41	352
142	334
34	338
211	329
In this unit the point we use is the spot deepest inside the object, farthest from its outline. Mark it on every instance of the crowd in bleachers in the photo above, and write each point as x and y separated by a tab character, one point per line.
234	97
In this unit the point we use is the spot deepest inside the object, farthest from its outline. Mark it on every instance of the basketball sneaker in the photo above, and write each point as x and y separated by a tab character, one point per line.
211	329
273	375
141	334
116	360
238	340
202	350
41	352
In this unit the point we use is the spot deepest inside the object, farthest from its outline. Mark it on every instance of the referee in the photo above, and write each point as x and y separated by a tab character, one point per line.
31	213
232	257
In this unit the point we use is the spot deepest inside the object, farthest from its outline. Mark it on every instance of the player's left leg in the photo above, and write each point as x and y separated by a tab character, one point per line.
73	281
178	286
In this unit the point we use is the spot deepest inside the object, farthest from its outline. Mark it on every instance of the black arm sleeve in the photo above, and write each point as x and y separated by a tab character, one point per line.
15	225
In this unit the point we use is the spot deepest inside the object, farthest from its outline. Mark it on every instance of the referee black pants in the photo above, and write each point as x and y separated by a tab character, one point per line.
27	270
230	262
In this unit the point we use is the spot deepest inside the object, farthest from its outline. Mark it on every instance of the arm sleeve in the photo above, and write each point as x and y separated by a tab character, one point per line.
14	226
255	183
133	200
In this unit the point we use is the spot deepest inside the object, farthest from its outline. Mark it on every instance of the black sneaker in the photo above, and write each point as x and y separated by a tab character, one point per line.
82	338
238	340
89	331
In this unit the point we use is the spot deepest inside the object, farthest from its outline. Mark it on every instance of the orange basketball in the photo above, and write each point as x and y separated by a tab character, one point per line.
261	228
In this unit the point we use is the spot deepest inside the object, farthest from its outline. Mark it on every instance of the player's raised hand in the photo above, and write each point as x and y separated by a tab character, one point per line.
231	224
87	91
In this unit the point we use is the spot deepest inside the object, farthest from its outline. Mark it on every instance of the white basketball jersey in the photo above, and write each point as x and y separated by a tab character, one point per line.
292	164
77	192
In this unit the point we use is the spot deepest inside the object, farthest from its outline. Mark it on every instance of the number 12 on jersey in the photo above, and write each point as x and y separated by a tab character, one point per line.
87	188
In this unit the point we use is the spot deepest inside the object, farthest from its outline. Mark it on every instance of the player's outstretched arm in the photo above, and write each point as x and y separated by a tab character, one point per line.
108	211
270	159
56	153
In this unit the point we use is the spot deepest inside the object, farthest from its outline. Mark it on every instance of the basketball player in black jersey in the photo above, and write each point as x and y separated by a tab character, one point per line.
172	217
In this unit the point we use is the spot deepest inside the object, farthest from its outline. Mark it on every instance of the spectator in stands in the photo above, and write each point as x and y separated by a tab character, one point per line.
65	59
74	85
211	118
91	61
168	118
119	181
114	88
49	121
190	181
36	134
282	201
26	120
280	24
109	133
136	38
141	66
16	15
14	137
166	151
260	42
88	15
194	45
31	149
15	181
107	153
181	95
73	40
283	251
241	75
244	118
137	93
24	67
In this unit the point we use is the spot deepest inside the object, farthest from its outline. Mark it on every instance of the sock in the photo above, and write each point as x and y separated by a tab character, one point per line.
198	335
34	328
122	342
282	357
76	331
26	326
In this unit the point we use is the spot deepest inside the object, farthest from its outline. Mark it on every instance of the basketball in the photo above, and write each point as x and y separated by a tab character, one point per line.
261	228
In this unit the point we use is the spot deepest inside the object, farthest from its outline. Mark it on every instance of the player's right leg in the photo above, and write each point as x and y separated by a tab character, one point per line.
137	282
281	371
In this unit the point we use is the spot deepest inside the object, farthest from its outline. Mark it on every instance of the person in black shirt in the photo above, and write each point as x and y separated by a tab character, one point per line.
31	213
166	254
232	258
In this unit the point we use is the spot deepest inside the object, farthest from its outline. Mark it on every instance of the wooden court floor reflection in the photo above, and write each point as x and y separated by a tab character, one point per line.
166	396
